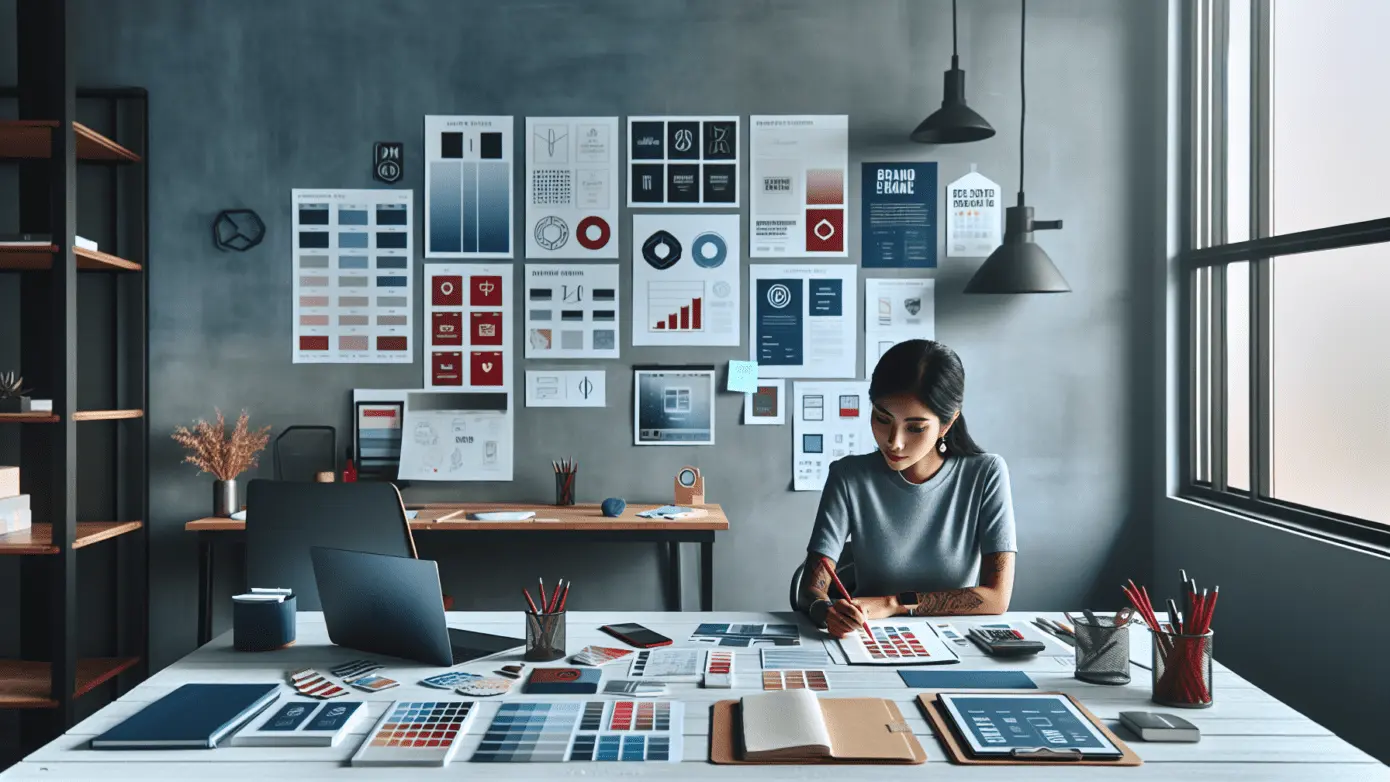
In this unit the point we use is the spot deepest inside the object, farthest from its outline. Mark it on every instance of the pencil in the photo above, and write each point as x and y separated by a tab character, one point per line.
555	596
564	597
529	601
836	578
542	582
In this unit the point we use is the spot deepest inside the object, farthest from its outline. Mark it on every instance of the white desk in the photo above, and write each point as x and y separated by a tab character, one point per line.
1246	735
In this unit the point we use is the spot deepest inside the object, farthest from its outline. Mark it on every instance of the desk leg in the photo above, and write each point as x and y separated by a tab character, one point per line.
674	601
707	576
205	563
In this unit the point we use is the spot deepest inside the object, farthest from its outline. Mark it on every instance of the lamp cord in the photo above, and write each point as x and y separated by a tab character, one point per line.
1022	91
953	29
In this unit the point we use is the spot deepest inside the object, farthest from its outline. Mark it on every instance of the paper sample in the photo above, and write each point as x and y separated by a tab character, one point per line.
898	215
686	271
572	187
571	310
767	405
673	406
468	316
802	320
683	161
974	216
896	310
669	664
798	185
565	388
352	276
453	436
746	635
829	421
468	187
743	376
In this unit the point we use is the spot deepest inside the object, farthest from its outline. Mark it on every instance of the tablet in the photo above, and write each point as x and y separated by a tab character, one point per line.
1004	725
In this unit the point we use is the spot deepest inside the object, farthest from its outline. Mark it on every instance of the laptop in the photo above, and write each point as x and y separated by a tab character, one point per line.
393	605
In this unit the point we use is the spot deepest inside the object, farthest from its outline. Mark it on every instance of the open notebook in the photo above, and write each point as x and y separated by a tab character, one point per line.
795	726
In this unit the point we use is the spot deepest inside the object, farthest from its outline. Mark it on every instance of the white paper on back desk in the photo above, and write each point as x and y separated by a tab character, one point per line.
451	436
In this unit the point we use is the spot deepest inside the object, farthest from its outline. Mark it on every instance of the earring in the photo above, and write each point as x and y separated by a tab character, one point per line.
941	445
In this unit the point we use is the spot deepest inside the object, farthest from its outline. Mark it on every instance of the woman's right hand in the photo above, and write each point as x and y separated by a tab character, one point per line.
844	619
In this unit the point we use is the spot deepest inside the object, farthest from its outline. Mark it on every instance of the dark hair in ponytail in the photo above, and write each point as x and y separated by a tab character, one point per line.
932	374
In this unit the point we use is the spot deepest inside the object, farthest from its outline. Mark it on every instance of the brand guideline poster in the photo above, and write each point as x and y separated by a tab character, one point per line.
974	227
802	320
899	215
799	185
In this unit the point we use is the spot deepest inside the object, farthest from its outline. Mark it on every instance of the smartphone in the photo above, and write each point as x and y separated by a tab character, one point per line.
636	635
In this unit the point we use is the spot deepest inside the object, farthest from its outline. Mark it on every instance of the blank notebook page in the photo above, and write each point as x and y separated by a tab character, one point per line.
783	720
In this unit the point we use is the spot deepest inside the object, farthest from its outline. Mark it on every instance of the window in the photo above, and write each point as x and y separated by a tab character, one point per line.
1286	308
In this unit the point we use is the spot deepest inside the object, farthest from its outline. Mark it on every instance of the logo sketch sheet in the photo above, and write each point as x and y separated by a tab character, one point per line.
565	388
572	171
683	162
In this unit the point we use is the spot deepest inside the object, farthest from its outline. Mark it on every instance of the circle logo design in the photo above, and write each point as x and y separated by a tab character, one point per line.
823	230
661	250
722	289
709	250
551	232
779	295
587	227
446	288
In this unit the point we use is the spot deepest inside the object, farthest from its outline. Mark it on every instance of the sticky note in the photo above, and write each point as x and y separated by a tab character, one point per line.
743	376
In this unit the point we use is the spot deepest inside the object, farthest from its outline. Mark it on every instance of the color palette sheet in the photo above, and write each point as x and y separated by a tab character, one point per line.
795	658
746	635
571	310
416	733
557	732
795	680
468	186
893	643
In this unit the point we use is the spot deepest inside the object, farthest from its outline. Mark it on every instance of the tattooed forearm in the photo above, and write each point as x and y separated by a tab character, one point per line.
815	580
952	601
994	563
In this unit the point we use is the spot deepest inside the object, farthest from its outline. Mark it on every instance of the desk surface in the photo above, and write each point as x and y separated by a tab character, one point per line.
1246	735
453	516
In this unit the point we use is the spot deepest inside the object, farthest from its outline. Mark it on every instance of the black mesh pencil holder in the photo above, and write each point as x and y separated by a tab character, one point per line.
545	637
1102	651
564	487
1182	670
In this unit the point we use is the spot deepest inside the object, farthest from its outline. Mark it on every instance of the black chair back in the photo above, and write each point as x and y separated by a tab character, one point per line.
844	568
284	519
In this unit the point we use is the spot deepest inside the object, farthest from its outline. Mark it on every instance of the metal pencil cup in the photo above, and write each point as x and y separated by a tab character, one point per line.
1102	651
1182	670
545	637
564	487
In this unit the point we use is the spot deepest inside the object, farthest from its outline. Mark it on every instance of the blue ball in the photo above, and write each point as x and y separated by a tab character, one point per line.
614	507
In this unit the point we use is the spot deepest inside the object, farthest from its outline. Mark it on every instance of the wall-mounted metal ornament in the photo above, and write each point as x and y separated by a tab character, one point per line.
388	160
237	229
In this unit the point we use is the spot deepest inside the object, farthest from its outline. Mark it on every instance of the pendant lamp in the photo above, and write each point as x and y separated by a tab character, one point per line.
954	122
1018	265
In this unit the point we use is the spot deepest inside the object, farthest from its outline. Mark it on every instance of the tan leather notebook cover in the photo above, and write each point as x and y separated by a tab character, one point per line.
862	730
958	754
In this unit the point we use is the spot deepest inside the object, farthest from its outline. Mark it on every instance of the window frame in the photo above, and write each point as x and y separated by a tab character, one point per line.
1203	262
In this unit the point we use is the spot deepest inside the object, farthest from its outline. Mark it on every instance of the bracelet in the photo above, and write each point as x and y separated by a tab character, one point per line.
817	611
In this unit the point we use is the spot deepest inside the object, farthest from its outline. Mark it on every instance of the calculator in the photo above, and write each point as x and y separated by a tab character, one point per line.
1004	642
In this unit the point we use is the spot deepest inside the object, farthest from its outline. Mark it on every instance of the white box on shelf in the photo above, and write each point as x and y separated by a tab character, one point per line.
36	405
9	481
86	244
16	521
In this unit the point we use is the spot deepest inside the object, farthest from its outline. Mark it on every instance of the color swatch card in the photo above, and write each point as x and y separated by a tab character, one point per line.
584	731
719	670
598	655
795	680
830	420
683	161
686	272
563	681
468	316
572	187
744	635
468	187
798	185
311	683
302	724
795	658
416	733
802	320
672	665
571	310
894	643
352	276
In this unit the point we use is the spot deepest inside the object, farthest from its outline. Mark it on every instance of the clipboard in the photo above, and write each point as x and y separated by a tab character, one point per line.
725	746
942	728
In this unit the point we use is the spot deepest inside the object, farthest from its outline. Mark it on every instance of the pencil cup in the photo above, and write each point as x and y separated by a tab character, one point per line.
1102	651
1182	670
545	637
564	487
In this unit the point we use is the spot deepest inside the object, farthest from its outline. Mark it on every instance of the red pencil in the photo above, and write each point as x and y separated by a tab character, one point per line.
566	596
531	602
836	578
542	583
555	596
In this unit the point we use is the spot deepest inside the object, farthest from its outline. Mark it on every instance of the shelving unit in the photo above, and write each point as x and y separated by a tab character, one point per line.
83	342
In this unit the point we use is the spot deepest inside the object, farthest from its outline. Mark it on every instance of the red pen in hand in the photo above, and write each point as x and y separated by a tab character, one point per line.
836	578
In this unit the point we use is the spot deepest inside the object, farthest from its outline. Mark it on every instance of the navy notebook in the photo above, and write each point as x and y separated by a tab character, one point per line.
195	716
968	680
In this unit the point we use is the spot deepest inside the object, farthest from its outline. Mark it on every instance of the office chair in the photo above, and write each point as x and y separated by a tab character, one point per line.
284	519
844	568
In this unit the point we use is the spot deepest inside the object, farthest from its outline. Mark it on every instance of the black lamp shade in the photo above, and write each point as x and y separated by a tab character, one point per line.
1019	265
954	122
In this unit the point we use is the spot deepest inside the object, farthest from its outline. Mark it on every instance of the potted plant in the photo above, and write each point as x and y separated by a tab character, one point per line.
12	393
212	451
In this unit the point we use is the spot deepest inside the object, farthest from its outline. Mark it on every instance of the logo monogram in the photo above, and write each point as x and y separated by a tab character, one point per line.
684	140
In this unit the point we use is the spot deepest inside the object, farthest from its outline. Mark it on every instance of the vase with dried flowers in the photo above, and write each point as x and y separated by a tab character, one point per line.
212	451
12	393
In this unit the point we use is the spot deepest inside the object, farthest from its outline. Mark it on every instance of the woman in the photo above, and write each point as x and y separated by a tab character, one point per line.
924	511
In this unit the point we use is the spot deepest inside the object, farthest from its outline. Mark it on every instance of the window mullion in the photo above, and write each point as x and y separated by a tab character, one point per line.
1262	269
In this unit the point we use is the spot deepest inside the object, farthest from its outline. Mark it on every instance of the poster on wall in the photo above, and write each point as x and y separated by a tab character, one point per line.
766	405
798	185
802	320
685	279
829	421
566	388
468	317
898	219
352	276
673	405
974	216
456	436
571	310
572	187
378	418
685	162
468	187
896	310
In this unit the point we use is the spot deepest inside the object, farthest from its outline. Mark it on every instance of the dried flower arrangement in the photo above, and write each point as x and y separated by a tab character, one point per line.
12	385
213	452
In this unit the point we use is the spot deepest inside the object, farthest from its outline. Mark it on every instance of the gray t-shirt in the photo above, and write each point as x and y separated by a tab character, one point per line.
915	537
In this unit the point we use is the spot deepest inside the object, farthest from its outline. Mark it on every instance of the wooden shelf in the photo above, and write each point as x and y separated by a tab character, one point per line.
38	539
106	415
27	685
28	418
28	259
33	140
